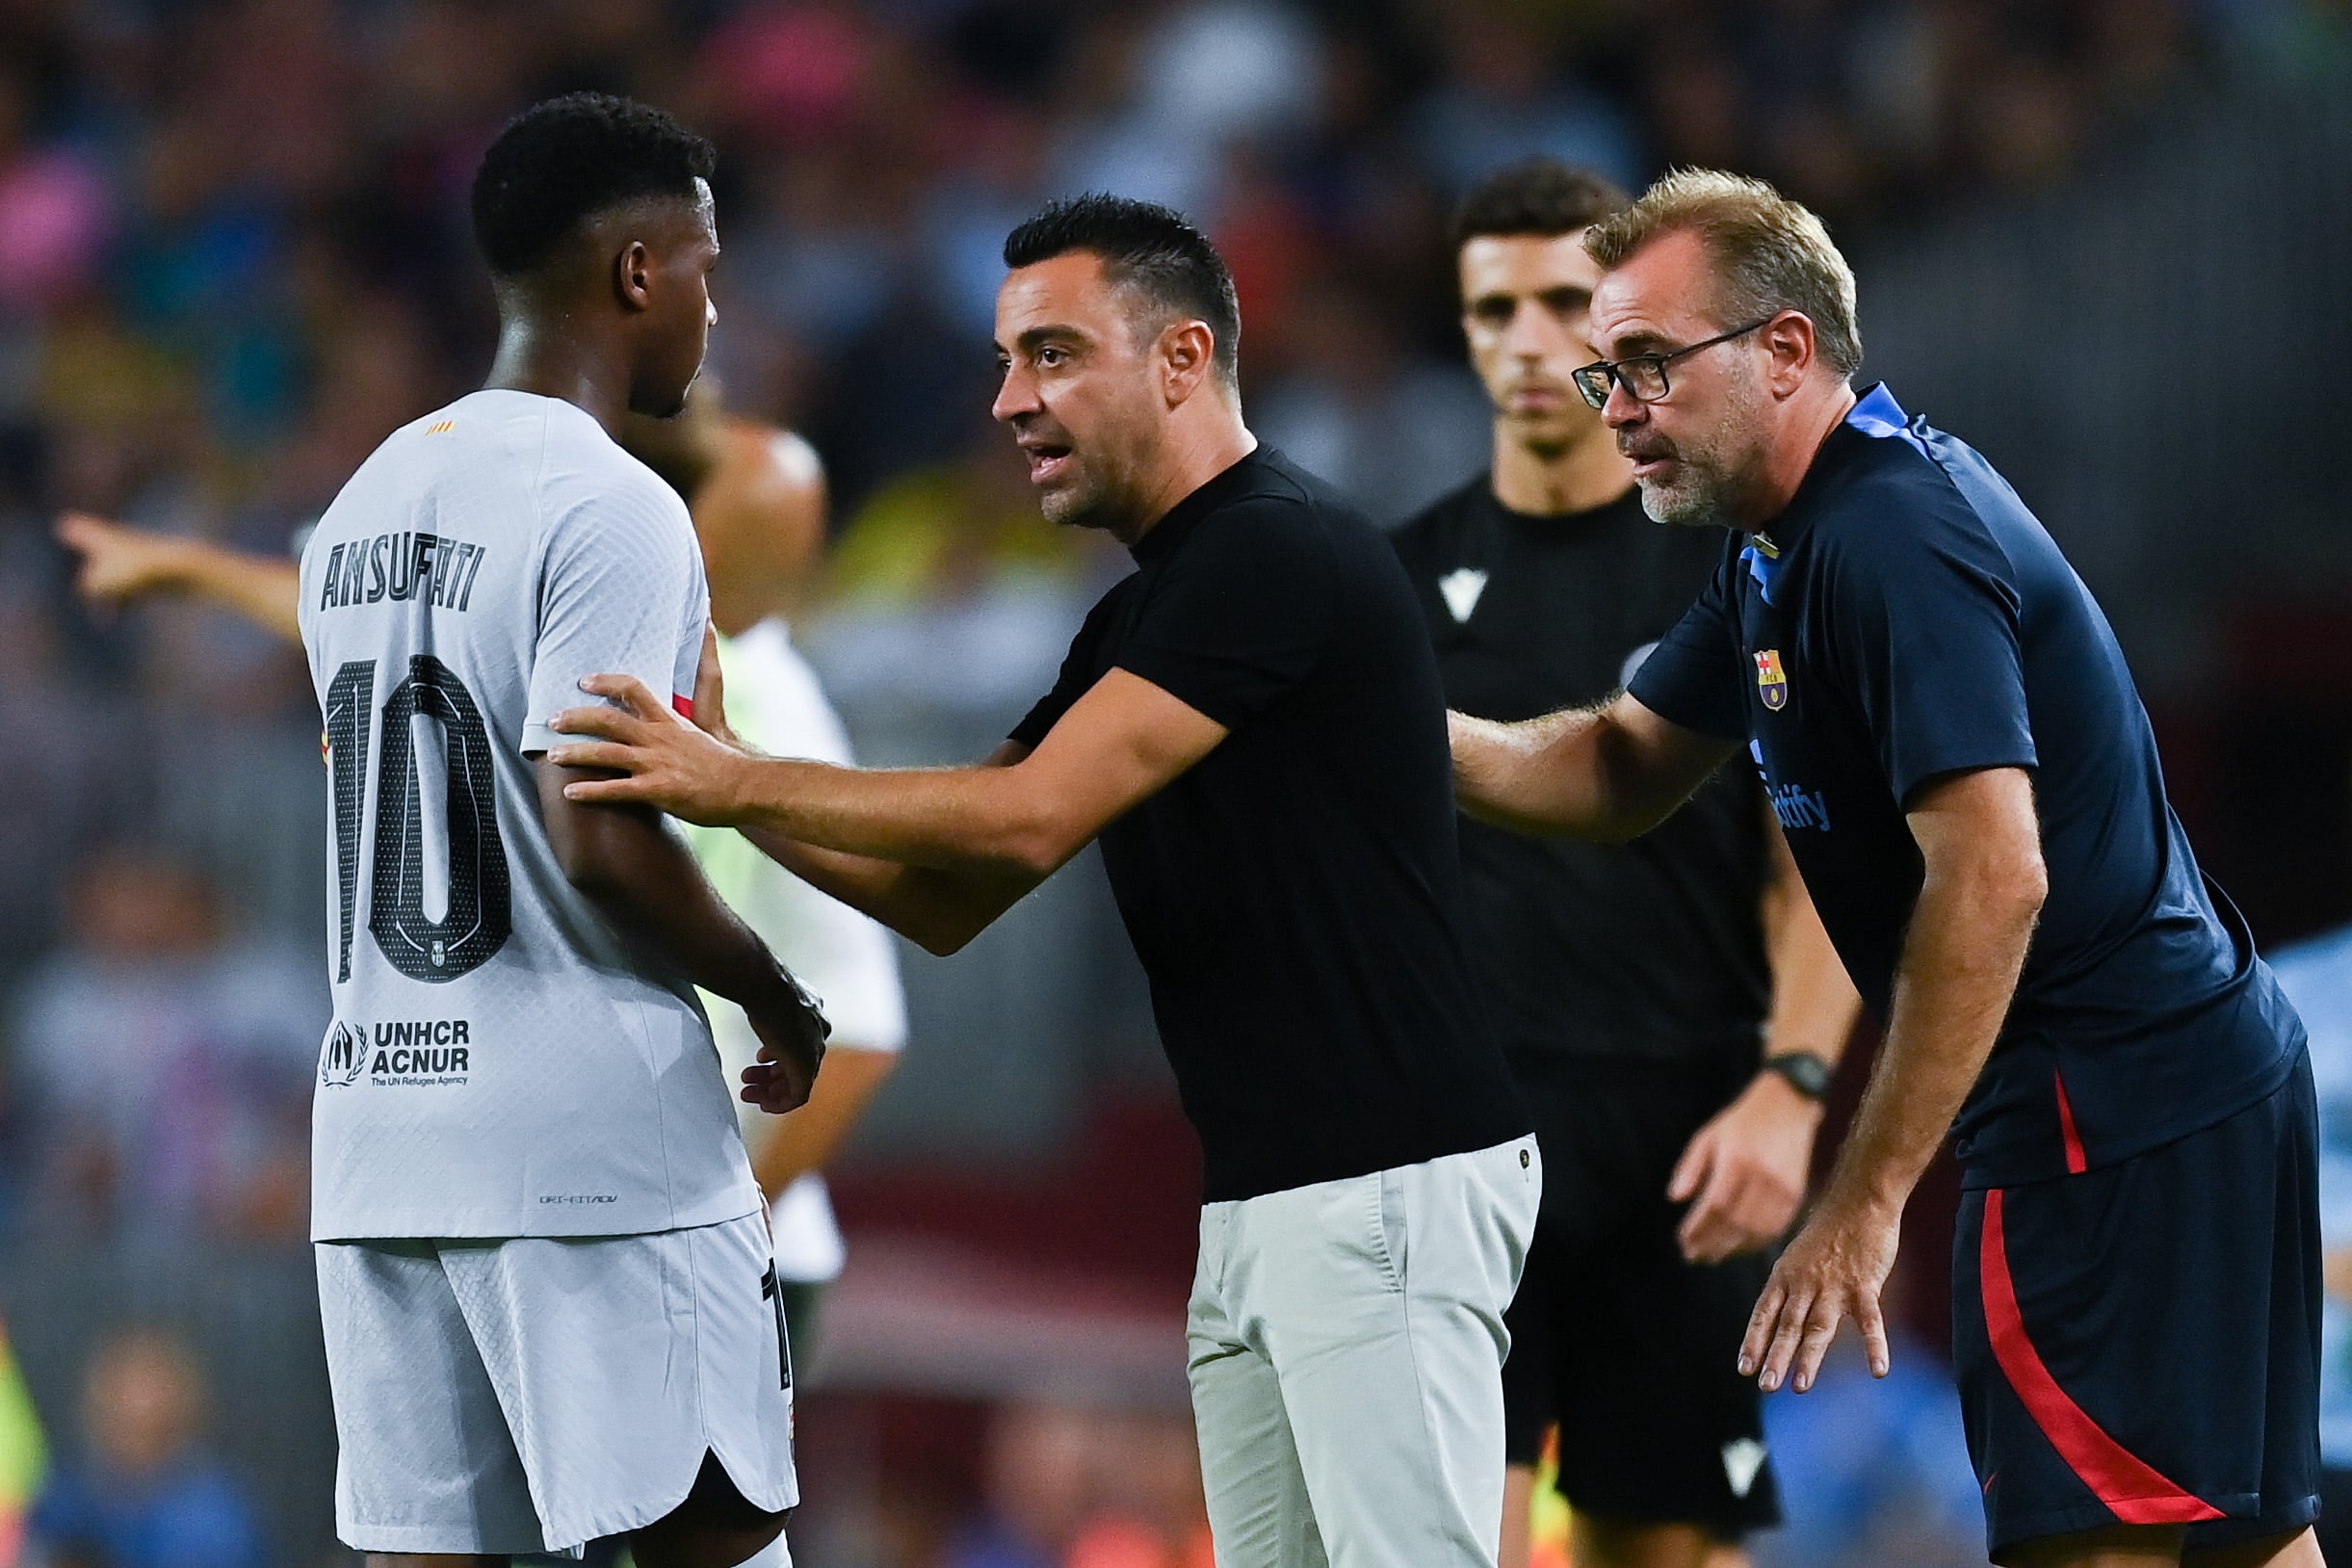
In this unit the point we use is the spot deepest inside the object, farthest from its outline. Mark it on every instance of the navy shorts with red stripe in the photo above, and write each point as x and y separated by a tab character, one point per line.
2139	1344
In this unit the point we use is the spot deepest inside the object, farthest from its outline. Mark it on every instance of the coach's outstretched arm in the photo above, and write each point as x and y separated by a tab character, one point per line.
934	853
642	878
1984	884
1611	773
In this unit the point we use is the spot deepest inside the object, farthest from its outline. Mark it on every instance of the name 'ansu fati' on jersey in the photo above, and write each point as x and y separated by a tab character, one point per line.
500	1063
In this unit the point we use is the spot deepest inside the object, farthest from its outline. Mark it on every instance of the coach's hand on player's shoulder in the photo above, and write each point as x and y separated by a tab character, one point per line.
667	763
1835	1269
792	1030
1744	1173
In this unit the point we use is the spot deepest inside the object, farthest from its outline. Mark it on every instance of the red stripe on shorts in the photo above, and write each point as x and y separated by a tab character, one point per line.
684	705
2125	1483
2076	1162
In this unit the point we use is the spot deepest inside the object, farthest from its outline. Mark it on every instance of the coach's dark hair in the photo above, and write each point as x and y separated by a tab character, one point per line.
1539	196
1148	247
563	161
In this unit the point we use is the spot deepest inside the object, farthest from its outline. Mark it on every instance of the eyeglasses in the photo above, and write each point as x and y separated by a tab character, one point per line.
1643	376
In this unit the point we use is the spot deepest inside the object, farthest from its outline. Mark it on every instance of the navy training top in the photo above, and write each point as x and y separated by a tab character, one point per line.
1906	618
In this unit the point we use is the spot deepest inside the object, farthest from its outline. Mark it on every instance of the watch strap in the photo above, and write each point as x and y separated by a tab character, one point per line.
1806	1072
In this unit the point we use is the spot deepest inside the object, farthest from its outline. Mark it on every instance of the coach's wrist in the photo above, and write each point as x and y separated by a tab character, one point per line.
1807	1074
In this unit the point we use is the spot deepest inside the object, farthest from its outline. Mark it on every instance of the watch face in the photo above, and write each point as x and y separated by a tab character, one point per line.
1806	1072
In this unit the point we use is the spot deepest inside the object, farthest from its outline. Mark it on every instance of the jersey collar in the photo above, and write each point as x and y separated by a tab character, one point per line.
1874	415
1164	535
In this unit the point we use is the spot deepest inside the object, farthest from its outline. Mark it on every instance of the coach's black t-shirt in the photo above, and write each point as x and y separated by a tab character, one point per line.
1904	619
1651	949
1295	897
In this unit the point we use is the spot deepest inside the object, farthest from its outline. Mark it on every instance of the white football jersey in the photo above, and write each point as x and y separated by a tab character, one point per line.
775	702
500	1063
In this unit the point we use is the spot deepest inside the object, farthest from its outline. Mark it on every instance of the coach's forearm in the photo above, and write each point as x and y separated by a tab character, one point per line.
1570	773
951	819
1958	973
644	880
937	910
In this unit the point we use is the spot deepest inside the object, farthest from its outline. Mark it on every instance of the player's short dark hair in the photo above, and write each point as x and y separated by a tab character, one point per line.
1540	195
563	161
1153	250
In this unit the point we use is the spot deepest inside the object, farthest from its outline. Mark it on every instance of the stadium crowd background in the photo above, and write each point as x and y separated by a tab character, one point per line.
2103	239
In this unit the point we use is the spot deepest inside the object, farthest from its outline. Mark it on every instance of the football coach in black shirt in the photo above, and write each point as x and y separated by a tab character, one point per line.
1962	767
1671	1008
1251	722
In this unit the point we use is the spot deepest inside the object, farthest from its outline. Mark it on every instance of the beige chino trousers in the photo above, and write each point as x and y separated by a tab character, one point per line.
1347	1346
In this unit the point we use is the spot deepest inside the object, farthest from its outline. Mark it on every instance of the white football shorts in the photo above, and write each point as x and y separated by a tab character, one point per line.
533	1394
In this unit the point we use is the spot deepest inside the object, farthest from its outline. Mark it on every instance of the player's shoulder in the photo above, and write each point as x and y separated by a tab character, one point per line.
1894	502
582	463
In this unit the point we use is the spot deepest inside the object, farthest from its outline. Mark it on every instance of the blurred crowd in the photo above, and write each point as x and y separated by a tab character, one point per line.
235	255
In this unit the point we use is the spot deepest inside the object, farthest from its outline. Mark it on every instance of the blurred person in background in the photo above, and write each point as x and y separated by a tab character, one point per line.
141	1491
1635	988
166	1065
1073	1486
2317	975
24	1455
1251	721
757	497
549	1296
1968	779
1877	1467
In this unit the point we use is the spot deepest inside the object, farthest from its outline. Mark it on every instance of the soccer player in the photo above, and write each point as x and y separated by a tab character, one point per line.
757	497
550	1309
1251	722
1671	1009
1967	776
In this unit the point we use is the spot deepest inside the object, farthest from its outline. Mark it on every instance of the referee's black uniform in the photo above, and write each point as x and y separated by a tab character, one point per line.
1628	987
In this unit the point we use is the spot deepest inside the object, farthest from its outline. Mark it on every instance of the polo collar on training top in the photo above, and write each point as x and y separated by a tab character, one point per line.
1875	416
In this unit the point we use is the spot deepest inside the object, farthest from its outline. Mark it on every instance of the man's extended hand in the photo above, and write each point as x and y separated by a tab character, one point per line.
670	764
1746	1170
120	563
792	1035
1833	1271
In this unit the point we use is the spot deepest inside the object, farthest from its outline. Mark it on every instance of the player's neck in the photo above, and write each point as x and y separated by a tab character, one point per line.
592	376
1586	472
1198	451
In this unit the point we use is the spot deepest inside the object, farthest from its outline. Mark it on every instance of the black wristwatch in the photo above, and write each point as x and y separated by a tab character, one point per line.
1806	1072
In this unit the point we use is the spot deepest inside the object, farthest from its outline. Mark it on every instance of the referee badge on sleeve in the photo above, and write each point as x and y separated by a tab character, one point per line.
1772	681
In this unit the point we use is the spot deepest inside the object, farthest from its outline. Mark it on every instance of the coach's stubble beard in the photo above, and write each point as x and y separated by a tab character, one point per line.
1709	476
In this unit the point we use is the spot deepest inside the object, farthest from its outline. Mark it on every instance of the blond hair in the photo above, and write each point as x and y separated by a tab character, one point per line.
1770	254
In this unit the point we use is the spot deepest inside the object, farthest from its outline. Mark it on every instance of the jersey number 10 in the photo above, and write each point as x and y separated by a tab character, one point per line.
480	916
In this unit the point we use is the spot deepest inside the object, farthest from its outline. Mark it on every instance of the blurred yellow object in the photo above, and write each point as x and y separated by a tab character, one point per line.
24	1456
1548	1512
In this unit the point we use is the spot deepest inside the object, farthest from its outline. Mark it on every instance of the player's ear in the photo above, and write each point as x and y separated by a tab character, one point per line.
632	275
1188	352
1789	338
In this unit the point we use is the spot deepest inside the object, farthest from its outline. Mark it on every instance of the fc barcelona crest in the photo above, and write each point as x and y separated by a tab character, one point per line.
1772	681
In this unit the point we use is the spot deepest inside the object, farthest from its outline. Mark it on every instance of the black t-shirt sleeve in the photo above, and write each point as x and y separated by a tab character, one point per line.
1926	617
1079	673
1241	615
1692	677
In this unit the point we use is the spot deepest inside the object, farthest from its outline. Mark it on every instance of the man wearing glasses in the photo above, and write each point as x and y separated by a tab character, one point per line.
1962	765
1671	1009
